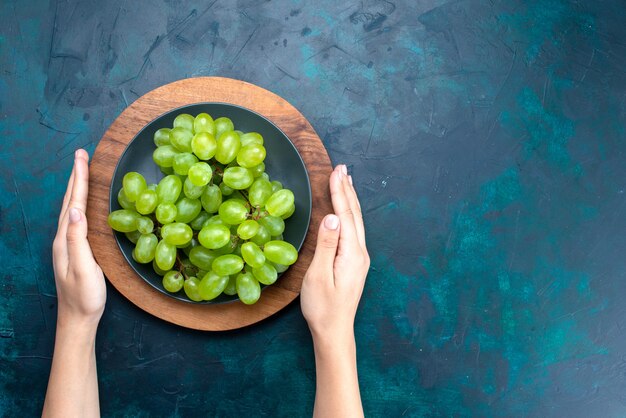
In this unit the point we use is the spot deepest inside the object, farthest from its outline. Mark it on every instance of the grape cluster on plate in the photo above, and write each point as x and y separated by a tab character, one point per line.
214	223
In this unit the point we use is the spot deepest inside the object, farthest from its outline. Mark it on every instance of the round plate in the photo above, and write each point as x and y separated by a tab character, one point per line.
283	163
212	317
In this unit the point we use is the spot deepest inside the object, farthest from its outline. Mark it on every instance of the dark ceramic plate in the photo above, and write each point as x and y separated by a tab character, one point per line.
283	163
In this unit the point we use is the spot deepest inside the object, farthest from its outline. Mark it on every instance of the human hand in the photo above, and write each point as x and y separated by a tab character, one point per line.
81	291
333	284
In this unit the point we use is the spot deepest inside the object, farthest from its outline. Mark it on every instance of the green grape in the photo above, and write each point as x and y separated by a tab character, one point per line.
226	191
133	184
214	236
265	274
265	176
201	273
199	221
157	270
238	132
248	288
180	139
212	285
204	123
184	121
163	156
278	237
169	189
259	192
280	202
133	236
176	233
289	212
280	252
187	209
190	246
145	249
192	289
147	202
262	236
247	229
231	288
166	170
165	255
152	187
191	190
251	155
204	145
233	212
237	178
202	257
227	147
223	125
227	264
162	137
280	268
145	225
276	186
251	138
237	250
252	254
183	162
200	174
211	198
273	224
123	200
173	281
166	213
215	219
123	220
258	170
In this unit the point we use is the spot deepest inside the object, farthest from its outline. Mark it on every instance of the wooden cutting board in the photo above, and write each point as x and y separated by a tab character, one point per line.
217	317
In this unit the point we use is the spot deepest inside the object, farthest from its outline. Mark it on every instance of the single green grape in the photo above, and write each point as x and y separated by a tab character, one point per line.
180	138
228	146
184	121
289	212
162	137
252	254
123	220
192	289
146	248
166	213
123	200
211	198
280	252
259	192
204	145
265	176
204	123
247	229
251	155
258	170
237	178
166	170
169	189
214	236
133	236
164	155
273	224
199	221
265	274
226	265
202	257
262	236
223	125
276	186
187	209
280	202
152	187
233	212
248	288
212	285
226	191
147	202
251	138
133	184
231	288
176	233
157	270
145	225
165	255
280	268
183	162
191	190
173	281
200	174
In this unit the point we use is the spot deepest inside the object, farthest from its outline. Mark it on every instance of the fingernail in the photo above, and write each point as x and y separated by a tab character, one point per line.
331	222
350	179
344	169
74	215
340	175
77	153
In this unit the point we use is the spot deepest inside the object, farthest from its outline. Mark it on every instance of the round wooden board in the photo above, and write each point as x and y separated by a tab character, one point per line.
217	317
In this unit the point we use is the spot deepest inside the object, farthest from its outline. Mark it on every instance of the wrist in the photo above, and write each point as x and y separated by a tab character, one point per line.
79	327
334	344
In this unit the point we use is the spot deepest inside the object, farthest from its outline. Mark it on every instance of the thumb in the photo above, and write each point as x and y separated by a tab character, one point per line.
78	247
327	242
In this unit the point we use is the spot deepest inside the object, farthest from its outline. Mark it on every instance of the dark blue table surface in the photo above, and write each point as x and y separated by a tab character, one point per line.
486	140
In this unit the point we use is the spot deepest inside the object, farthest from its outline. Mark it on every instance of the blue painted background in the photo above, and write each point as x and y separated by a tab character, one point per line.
487	142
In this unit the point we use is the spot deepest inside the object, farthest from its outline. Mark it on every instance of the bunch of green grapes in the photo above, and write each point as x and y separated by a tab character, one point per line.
214	224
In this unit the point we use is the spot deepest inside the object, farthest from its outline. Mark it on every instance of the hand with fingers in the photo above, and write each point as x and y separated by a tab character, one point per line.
331	291
81	293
